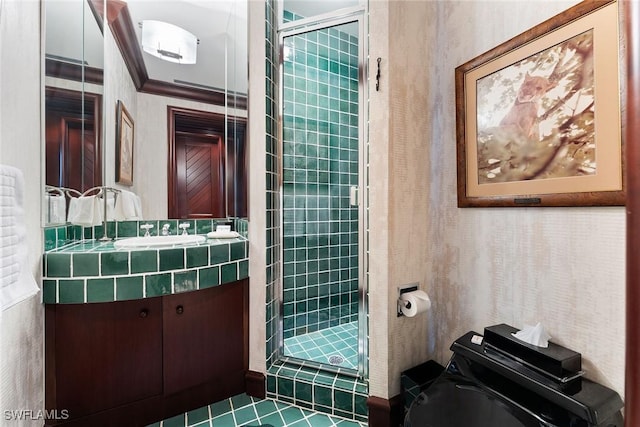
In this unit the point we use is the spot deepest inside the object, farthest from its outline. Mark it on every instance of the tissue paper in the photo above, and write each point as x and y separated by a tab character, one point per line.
414	302
535	335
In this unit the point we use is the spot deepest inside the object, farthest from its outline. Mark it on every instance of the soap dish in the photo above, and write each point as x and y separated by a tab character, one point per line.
222	235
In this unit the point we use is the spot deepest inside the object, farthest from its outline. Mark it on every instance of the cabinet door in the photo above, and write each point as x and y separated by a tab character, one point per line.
106	354
205	337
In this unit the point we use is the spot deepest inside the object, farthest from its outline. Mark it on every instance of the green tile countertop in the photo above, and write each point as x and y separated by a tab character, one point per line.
93	271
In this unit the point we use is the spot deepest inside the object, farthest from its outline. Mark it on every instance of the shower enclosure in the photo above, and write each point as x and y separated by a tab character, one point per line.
323	191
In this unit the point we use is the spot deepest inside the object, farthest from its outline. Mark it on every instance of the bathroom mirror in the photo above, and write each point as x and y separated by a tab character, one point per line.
150	88
73	102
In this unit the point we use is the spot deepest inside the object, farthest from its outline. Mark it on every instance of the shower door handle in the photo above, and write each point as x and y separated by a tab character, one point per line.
353	196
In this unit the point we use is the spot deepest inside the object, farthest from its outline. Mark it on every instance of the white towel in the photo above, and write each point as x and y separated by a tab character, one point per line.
85	211
128	206
16	281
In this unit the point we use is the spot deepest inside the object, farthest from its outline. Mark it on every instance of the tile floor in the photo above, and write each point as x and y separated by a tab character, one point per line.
337	345
247	411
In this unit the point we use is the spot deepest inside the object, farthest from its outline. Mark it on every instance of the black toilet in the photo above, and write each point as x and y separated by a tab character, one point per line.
496	380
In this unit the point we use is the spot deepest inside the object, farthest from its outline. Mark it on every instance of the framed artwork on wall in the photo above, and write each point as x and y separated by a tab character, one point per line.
538	117
124	145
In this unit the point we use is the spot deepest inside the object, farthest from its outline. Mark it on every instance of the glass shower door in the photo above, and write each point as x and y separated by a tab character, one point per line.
323	313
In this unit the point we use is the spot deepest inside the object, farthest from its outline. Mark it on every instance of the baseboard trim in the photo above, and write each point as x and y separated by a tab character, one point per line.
255	383
385	412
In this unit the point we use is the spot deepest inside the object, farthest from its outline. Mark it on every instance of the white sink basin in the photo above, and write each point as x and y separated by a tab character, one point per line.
155	241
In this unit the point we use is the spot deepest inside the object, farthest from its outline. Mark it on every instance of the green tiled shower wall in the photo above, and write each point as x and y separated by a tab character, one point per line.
272	189
320	164
58	236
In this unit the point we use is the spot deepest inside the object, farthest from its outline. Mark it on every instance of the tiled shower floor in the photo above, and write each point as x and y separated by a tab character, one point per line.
247	411
337	345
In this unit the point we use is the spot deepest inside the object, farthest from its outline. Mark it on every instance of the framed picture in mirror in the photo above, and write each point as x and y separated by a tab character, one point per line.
124	145
538	117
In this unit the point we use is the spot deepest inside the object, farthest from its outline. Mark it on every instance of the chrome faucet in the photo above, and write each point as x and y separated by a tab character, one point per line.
146	227
165	229
184	227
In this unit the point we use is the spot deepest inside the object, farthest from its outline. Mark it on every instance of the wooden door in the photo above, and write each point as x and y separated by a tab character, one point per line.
206	339
199	176
72	142
103	355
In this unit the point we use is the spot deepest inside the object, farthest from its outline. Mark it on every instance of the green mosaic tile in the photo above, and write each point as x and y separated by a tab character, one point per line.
319	420
129	287
292	415
360	405
245	415
209	277
158	284
100	290
228	273
58	265
224	420
343	400
49	291
114	263
241	400
221	407
61	236
274	419
303	391
50	238
171	259
70	291
264	408
197	257
86	264
218	254
144	261
203	226
271	384
185	281
285	386
177	421
198	415
243	269
237	251
127	229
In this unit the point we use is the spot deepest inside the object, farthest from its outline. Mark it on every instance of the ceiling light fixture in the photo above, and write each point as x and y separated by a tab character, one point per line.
169	42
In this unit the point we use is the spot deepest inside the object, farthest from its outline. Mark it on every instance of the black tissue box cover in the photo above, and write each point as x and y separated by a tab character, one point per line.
557	360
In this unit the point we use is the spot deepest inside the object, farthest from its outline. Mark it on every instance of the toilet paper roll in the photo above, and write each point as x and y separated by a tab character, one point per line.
414	302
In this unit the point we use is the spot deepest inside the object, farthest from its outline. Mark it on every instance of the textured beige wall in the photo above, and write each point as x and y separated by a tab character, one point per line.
21	326
117	86
380	300
257	188
563	267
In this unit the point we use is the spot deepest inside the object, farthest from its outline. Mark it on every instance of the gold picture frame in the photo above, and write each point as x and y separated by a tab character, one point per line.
124	145
538	117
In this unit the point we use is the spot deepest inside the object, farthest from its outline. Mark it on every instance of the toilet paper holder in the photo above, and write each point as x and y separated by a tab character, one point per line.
402	290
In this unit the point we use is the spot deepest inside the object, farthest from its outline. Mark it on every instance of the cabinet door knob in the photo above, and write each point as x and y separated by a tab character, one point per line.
179	309
144	313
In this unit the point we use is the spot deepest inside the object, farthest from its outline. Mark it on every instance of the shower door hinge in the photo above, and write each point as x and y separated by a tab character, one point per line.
353	196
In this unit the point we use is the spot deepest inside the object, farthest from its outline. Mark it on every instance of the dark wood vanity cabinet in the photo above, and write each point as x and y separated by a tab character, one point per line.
136	362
